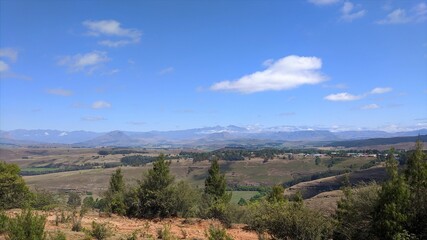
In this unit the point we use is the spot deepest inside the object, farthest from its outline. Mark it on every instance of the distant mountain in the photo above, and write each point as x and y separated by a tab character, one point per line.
377	141
212	136
49	136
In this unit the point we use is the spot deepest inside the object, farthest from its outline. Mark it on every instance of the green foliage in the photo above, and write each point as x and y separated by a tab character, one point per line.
43	200
74	199
14	193
242	202
416	176
99	231
217	233
215	184
137	160
354	215
288	220
165	233
185	200
276	194
391	215
57	235
89	202
317	160
27	225
3	222
116	193
155	192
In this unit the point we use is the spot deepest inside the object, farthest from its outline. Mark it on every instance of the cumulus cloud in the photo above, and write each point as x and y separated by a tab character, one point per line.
84	62
9	53
370	107
112	28
3	66
380	90
60	92
285	73
93	118
400	16
323	2
344	96
101	104
348	12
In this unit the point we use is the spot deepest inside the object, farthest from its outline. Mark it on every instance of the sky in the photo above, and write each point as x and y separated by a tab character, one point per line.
169	65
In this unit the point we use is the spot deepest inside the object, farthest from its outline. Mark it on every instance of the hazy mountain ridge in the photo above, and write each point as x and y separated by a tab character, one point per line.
203	136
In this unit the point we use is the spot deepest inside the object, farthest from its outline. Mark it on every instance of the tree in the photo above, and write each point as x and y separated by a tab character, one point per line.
276	194
317	160
116	193
74	199
215	183
355	212
155	191
391	213
416	176
14	193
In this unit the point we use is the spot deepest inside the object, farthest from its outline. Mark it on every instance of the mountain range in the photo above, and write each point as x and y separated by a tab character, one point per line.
207	136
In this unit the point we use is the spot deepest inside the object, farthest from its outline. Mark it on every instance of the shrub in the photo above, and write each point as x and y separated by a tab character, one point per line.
3	222
99	231
43	200
74	199
288	220
165	233
58	235
217	233
27	225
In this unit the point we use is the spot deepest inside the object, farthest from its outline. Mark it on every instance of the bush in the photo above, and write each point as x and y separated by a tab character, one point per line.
288	220
43	200
58	235
165	233
99	231
3	222
74	199
27	225
217	233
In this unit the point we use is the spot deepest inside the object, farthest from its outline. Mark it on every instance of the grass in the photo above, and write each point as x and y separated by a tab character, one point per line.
242	194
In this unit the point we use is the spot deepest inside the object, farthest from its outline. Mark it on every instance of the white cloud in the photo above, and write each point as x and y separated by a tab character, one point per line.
348	13
84	62
380	90
343	97
370	106
60	92
323	2
9	53
396	17
93	118
420	12
101	104
3	66
285	73
166	70
399	16
112	28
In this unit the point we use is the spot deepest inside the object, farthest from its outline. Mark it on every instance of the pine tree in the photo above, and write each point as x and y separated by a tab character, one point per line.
215	184
390	217
155	192
115	193
416	176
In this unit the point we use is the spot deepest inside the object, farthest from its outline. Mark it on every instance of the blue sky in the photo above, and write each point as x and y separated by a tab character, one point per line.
166	65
